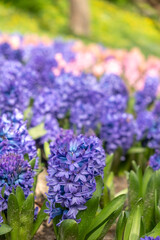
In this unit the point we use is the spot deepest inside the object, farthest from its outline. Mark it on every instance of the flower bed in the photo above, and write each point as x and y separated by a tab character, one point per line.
86	113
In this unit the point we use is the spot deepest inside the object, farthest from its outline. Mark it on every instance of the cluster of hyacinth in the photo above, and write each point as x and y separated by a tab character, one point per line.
146	96
14	135
117	126
42	76
8	53
118	131
13	94
76	57
154	161
74	163
15	142
14	172
147	130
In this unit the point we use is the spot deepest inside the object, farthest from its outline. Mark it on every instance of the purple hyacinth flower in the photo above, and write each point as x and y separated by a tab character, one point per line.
14	135
118	130
156	109
1	220
73	164
154	161
112	84
11	88
153	135
144	122
146	96
15	171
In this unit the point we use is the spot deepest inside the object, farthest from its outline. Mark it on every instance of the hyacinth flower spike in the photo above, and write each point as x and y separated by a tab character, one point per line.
18	170
75	184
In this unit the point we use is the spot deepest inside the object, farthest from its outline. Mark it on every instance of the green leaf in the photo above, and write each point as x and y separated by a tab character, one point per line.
37	132
87	217
133	189
136	224
136	150
135	215
99	185
4	228
155	232
47	149
20	196
147	175
157	208
107	168
157	173
40	218
103	216
149	201
3	190
13	216
68	230
32	163
27	218
121	226
108	224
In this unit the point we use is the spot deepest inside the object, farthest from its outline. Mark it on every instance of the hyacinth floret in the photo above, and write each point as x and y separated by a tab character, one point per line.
118	131
154	161
73	164
15	171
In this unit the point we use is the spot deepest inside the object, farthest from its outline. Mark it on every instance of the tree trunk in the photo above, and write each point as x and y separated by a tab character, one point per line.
80	17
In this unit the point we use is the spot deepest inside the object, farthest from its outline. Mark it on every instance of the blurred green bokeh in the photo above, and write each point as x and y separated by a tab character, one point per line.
112	25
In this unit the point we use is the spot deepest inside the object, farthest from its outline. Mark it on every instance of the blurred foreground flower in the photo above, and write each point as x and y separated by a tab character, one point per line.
154	161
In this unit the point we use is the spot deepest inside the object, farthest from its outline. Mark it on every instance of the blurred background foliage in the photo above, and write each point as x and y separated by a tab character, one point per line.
114	23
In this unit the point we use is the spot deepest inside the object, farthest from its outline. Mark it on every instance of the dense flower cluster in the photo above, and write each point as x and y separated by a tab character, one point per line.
118	130
11	87
144	123
112	84
10	54
154	161
146	96
114	104
153	134
14	135
58	80
15	171
73	164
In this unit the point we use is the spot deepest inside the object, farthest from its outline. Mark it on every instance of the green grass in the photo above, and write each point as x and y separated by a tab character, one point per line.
111	25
